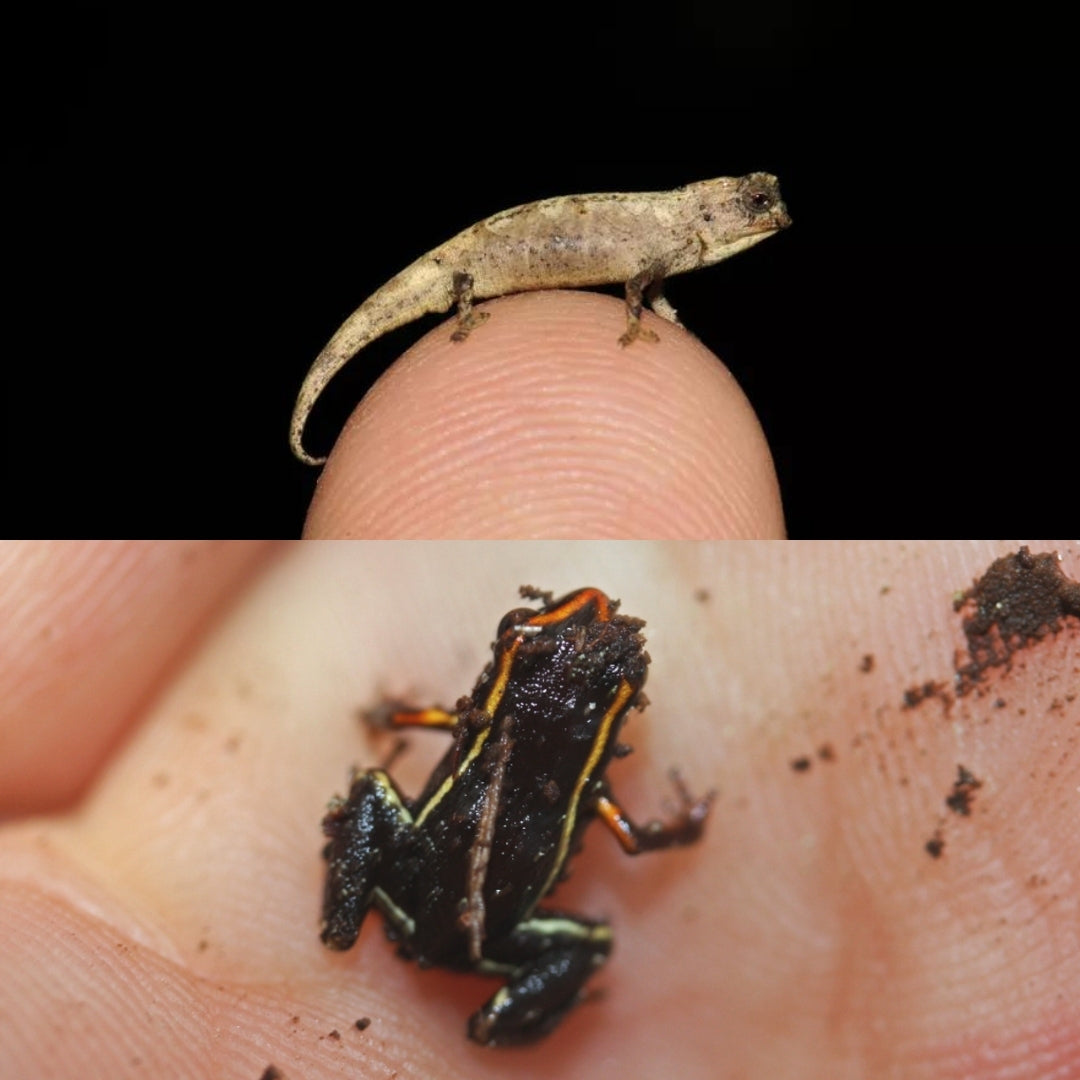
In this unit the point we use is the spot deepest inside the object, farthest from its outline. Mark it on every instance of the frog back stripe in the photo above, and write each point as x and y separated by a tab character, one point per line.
620	703
572	606
562	612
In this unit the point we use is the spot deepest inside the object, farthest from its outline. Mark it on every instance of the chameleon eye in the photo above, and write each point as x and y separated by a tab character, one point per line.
757	194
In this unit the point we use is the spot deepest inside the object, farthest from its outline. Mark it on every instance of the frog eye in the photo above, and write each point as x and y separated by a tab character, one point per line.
514	620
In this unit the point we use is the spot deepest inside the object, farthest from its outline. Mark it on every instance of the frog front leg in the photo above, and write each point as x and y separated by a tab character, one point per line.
686	827
547	960
373	820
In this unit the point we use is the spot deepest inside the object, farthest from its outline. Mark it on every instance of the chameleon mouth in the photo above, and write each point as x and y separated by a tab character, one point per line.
760	232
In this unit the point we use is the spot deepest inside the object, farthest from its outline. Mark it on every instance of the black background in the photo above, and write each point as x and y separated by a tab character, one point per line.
197	202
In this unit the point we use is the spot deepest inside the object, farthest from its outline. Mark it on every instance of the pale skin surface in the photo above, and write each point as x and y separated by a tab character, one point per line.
167	923
542	426
637	239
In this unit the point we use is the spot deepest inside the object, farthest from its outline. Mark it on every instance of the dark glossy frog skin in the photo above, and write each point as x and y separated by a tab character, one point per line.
459	872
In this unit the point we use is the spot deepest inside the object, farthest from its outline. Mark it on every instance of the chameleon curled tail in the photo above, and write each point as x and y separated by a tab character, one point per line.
414	292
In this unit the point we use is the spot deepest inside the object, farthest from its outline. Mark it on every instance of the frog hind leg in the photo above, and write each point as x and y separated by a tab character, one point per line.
548	959
373	819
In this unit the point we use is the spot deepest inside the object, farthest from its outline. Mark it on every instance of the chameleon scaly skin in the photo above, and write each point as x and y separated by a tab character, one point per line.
566	242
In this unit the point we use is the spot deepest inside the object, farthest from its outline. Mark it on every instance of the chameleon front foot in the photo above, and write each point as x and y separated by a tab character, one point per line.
636	332
647	283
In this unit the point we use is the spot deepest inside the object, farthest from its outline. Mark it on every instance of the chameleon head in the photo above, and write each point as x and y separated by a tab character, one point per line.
736	213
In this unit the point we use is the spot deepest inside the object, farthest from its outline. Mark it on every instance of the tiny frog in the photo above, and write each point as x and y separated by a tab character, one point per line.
460	871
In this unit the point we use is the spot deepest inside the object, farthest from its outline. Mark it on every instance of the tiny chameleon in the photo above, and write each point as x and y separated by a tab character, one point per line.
566	242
